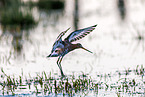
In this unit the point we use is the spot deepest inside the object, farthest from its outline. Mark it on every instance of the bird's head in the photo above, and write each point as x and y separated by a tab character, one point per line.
57	49
55	53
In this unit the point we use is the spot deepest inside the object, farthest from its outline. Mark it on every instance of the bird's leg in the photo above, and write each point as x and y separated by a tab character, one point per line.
59	65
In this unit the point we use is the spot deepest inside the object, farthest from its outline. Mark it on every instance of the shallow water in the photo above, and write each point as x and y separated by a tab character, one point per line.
116	43
120	83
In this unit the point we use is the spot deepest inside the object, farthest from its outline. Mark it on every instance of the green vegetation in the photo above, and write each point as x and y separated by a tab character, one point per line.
10	3
46	84
17	18
12	16
47	4
50	4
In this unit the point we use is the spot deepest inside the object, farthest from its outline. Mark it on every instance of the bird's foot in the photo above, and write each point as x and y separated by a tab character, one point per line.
62	75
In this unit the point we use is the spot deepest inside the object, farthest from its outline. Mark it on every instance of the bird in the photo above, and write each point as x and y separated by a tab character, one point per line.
62	47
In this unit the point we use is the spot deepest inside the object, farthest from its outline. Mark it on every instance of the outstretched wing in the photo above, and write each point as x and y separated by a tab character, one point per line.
58	42
79	34
61	34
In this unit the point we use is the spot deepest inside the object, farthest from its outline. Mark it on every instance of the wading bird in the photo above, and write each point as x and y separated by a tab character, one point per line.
61	48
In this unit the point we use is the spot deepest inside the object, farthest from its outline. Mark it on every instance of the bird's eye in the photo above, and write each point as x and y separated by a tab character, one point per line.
56	50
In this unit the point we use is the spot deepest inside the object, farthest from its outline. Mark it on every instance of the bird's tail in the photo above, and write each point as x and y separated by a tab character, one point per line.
86	50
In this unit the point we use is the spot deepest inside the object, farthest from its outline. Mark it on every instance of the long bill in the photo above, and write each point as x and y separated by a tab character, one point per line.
86	50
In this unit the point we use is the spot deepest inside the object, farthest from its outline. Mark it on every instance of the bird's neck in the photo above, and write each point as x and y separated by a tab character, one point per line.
75	46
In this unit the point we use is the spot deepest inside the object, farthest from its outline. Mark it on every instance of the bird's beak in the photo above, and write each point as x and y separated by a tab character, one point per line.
49	56
87	50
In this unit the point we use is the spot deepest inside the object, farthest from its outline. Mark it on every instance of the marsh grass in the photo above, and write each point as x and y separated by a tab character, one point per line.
50	4
15	18
46	85
12	16
10	3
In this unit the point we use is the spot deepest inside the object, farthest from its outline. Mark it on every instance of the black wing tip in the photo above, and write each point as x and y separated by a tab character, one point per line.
68	28
95	25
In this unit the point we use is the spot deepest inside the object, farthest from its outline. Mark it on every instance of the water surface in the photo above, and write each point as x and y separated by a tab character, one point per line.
117	43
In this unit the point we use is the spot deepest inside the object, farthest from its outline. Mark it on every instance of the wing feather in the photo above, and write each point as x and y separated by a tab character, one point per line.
61	34
79	34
